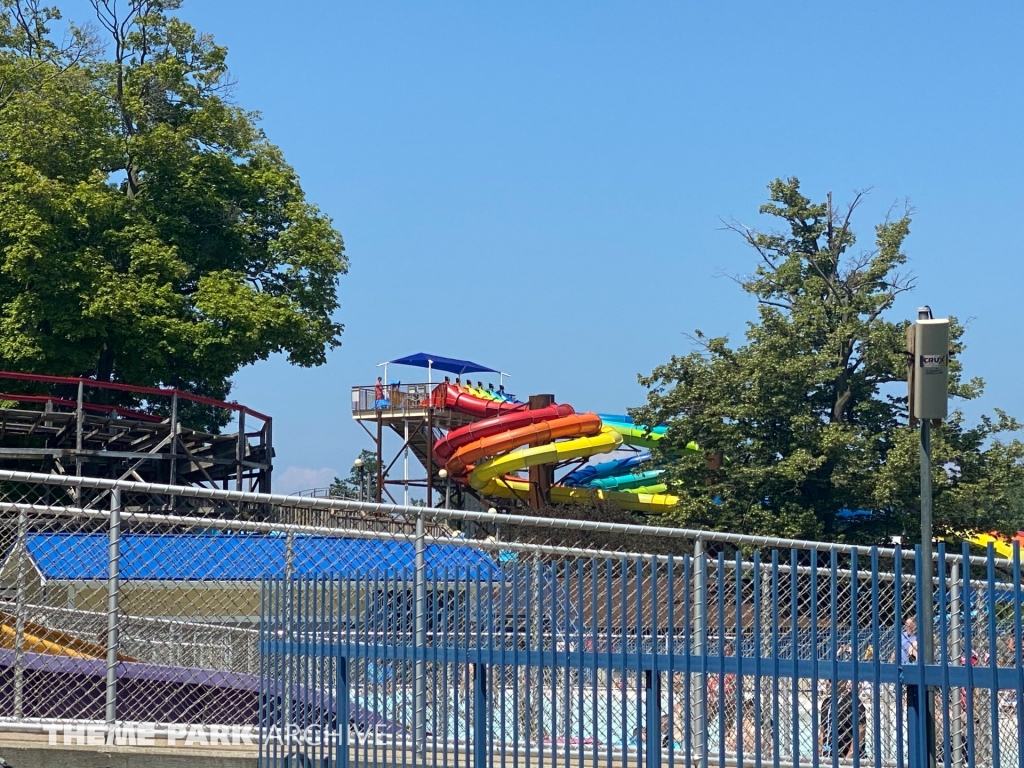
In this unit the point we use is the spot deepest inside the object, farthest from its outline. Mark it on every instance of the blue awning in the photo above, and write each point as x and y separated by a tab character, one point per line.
247	557
449	364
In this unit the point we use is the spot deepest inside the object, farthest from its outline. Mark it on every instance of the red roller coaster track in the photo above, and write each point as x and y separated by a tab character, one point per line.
165	392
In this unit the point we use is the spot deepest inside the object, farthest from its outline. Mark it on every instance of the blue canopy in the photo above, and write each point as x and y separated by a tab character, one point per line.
246	557
449	364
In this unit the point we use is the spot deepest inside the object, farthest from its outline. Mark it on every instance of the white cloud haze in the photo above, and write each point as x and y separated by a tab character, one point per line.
295	479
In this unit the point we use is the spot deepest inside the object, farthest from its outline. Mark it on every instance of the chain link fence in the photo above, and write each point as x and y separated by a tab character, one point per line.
126	602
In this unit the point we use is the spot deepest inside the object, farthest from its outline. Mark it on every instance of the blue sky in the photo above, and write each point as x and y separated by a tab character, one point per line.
539	186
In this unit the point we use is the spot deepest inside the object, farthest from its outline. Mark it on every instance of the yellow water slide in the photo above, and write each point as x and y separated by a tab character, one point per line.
1002	547
606	441
651	503
53	642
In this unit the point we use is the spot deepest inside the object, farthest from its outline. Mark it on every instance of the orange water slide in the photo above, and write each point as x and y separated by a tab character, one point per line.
575	425
447	445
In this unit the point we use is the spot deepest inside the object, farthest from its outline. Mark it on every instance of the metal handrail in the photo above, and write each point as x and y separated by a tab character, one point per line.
398	397
163	391
501	518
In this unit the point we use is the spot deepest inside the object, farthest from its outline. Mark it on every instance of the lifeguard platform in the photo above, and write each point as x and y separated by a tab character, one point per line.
412	412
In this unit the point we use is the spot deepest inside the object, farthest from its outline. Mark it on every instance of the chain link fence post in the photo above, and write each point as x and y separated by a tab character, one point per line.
420	683
699	706
956	724
20	609
113	610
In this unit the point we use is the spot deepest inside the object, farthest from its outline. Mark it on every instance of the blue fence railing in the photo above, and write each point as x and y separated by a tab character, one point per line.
808	657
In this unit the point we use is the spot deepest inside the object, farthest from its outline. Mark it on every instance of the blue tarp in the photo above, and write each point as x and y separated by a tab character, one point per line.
447	364
246	557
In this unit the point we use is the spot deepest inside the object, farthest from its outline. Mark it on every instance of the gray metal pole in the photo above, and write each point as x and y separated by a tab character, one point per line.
240	451
79	423
21	608
268	431
420	688
289	556
289	676
113	594
174	439
955	652
927	628
926	624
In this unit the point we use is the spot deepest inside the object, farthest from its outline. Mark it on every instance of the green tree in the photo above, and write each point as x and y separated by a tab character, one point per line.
149	231
364	479
811	412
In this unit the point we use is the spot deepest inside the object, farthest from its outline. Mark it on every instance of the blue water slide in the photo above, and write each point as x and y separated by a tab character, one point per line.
592	472
618	418
626	482
621	418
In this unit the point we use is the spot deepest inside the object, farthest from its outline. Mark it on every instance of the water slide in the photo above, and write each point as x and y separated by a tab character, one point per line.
646	480
536	433
510	438
651	503
586	475
37	638
1001	546
605	441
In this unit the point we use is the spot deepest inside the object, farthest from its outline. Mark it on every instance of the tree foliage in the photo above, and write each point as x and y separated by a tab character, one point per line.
810	414
149	231
361	482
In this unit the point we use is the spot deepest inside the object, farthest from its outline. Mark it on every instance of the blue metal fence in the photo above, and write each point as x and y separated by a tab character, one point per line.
725	656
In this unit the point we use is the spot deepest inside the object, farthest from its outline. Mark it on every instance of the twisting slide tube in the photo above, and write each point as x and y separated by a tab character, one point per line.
511	488
1001	546
458	399
588	474
450	443
605	442
511	438
573	425
627	482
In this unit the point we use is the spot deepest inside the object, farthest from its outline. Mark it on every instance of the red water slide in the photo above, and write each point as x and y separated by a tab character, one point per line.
450	443
451	396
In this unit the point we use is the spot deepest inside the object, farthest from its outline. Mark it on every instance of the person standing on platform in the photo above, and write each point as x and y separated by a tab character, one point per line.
379	398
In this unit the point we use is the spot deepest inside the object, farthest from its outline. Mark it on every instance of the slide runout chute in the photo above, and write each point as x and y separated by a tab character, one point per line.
511	488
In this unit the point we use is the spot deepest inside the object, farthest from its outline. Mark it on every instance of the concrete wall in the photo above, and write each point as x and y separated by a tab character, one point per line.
34	751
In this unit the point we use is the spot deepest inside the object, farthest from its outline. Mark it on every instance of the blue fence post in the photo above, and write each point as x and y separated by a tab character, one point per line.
652	700
341	755
480	715
920	716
